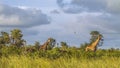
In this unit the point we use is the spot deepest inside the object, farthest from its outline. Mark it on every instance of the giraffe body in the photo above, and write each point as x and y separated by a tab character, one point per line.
93	46
50	41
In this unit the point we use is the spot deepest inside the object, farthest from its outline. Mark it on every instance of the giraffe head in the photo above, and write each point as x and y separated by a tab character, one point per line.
49	40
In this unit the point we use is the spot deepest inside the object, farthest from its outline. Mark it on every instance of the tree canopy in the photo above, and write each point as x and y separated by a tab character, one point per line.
94	36
14	38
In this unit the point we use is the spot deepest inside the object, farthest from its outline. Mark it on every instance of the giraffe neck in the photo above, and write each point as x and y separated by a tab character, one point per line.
45	44
96	42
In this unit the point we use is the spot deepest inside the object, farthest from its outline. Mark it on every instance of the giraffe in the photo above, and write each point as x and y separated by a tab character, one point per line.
50	41
93	46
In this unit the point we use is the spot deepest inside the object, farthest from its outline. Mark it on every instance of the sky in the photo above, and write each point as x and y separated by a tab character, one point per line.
70	21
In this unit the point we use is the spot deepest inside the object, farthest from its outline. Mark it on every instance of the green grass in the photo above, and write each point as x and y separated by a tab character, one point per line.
30	62
11	57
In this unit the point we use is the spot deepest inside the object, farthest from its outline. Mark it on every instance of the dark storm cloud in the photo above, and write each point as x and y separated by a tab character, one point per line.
77	6
18	17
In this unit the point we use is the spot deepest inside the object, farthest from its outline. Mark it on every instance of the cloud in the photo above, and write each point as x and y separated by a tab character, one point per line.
55	12
85	22
113	6
21	17
100	15
77	6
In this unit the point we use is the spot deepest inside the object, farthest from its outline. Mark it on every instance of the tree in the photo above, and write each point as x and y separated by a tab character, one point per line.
64	45
37	45
83	46
16	37
94	36
6	38
1	40
51	43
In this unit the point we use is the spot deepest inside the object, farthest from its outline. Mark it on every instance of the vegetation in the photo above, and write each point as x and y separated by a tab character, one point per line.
94	35
28	62
15	54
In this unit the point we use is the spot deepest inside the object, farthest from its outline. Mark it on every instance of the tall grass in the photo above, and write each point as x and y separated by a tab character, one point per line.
11	57
62	62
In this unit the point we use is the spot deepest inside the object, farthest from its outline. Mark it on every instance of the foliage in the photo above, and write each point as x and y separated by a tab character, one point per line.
12	51
37	45
5	38
83	46
63	62
16	37
51	44
64	45
94	36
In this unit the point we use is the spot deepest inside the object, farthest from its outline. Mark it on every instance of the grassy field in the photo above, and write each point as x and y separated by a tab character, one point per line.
30	62
11	57
15	55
